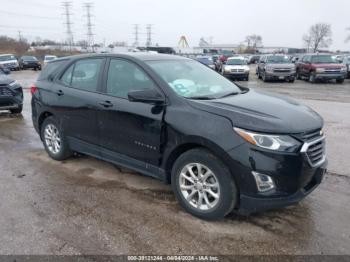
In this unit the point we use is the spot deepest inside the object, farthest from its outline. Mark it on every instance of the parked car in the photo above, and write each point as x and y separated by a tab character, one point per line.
346	62
11	93
222	147
254	59
9	61
29	62
276	67
206	60
321	67
49	58
237	68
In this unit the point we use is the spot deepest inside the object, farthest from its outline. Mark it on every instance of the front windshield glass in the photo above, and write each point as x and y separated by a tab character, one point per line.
7	57
29	58
277	59
236	62
191	79
323	59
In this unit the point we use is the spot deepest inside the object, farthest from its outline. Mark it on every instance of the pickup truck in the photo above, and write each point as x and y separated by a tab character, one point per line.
321	67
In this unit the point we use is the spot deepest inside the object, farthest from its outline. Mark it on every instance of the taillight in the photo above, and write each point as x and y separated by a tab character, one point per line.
33	89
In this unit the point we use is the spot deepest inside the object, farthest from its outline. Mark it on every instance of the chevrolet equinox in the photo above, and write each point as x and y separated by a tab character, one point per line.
222	147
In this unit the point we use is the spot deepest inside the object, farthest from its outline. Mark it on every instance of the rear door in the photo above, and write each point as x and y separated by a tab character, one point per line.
129	129
76	99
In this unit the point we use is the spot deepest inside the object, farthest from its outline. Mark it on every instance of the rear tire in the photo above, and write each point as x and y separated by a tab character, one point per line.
54	140
340	81
209	194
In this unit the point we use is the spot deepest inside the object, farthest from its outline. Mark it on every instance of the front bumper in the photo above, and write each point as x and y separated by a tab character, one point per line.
280	76
325	76
31	65
236	75
11	99
293	175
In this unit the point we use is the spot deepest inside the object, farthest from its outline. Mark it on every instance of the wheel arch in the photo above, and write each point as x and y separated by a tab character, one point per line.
42	118
196	143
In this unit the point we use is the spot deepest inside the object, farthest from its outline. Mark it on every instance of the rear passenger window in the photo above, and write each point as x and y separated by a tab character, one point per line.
84	74
51	69
124	77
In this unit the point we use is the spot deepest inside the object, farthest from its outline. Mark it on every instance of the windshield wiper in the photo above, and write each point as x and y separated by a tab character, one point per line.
201	97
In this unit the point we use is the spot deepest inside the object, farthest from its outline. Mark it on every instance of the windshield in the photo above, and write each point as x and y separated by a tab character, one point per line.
29	58
49	58
236	62
205	60
191	79
323	59
7	57
277	59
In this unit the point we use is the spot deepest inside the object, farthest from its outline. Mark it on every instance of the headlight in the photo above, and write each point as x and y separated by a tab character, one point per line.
294	69
283	143
14	83
343	69
247	69
269	69
320	70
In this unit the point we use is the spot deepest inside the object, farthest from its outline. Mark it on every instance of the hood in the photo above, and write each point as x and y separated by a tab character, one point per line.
8	62
284	65
327	65
263	112
5	80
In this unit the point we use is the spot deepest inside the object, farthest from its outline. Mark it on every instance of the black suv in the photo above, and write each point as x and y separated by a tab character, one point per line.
29	62
11	93
222	147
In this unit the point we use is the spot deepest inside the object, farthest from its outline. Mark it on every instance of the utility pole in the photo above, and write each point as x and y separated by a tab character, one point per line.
136	35
20	36
66	7
89	25
149	35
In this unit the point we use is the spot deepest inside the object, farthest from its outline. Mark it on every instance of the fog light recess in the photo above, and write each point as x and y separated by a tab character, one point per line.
264	183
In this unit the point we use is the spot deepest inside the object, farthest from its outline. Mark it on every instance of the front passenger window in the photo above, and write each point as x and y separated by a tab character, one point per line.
124	76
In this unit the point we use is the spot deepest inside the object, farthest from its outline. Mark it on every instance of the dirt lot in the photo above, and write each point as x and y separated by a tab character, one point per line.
86	206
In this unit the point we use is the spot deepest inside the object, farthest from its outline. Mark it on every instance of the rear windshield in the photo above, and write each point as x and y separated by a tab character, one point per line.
51	69
7	57
205	60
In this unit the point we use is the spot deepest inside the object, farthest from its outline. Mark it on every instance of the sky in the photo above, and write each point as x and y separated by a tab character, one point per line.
281	23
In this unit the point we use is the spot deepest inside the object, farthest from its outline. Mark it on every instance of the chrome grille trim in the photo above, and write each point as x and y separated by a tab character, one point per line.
314	151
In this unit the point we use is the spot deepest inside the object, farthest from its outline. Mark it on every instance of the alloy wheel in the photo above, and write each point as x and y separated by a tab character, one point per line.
52	138
199	186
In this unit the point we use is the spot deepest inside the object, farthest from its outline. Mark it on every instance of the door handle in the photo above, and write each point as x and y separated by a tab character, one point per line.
60	93
106	104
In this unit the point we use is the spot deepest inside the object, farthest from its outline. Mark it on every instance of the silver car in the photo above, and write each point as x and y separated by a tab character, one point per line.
276	67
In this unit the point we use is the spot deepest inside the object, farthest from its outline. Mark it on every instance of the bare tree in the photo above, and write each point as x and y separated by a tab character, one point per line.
307	41
320	35
253	41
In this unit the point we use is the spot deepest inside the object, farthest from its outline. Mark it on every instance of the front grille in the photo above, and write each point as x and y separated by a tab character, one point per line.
282	70
5	91
237	70
332	71
316	152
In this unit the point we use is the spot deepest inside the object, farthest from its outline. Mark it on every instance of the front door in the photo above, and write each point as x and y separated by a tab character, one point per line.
129	129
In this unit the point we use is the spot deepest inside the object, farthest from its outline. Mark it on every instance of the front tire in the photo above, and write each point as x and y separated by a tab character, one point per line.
340	81
203	185
312	77
54	140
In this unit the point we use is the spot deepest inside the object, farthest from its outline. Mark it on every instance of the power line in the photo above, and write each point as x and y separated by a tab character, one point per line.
26	15
89	25
67	6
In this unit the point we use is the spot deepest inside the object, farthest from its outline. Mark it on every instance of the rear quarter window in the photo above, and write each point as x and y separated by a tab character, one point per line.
51	69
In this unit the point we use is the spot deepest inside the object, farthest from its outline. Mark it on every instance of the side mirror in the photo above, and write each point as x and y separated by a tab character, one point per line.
149	96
